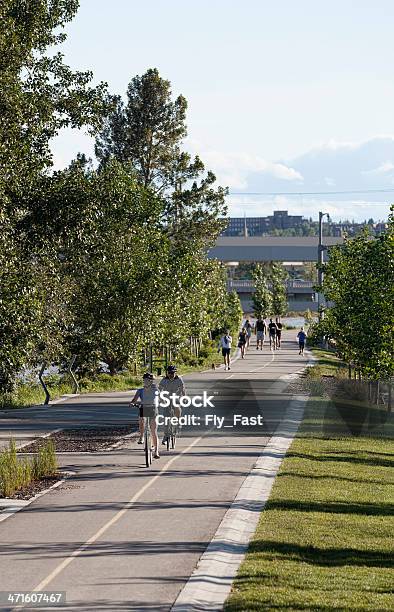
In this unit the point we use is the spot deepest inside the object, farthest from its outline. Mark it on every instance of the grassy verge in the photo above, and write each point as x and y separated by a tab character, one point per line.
324	541
16	473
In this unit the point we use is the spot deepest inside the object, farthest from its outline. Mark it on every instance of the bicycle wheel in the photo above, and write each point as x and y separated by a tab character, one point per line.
148	445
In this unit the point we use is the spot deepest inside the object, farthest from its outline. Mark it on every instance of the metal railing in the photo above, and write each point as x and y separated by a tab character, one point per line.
249	284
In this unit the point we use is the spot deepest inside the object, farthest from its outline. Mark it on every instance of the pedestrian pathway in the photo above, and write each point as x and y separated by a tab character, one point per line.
120	537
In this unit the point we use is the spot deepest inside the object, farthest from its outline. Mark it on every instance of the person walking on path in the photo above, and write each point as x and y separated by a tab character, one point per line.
279	328
242	341
248	328
261	330
272	329
146	396
173	384
225	344
301	336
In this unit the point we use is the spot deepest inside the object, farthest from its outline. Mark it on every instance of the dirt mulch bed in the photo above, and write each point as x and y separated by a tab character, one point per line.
88	439
36	487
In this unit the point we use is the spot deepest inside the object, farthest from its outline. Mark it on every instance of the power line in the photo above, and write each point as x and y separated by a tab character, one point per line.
352	202
302	193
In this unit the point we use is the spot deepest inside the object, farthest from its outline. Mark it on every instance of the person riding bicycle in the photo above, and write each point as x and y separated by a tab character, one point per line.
146	396
173	384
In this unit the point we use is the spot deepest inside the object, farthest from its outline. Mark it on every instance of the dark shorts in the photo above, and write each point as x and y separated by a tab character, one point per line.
301	345
279	333
241	344
225	351
149	411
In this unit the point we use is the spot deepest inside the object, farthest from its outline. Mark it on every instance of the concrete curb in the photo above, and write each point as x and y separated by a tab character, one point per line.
11	506
210	584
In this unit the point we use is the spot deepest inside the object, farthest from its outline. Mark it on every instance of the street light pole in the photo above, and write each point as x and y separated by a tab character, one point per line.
320	259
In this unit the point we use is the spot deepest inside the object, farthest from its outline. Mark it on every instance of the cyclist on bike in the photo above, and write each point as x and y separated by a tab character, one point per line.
146	397
173	384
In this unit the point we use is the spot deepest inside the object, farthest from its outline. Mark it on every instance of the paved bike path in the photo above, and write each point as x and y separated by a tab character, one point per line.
120	537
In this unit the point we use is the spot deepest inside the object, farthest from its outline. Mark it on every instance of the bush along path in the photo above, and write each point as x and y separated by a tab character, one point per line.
31	393
324	541
21	478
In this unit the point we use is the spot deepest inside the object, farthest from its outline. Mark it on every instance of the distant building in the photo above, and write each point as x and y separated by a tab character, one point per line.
258	226
281	221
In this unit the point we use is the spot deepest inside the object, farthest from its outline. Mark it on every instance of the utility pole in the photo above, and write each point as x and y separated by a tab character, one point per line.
320	260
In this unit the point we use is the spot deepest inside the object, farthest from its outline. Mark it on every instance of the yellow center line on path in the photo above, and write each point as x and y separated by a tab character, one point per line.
44	583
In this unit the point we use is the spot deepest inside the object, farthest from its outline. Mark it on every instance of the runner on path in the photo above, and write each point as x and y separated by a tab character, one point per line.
242	341
248	327
272	329
261	330
278	332
301	336
225	344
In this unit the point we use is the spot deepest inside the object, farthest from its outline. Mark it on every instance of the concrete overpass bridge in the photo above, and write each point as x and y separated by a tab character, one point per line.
300	294
269	248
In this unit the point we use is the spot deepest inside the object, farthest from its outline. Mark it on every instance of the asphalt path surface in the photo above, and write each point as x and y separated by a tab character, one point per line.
119	536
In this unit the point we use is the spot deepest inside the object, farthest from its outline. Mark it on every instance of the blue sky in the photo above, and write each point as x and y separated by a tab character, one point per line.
283	96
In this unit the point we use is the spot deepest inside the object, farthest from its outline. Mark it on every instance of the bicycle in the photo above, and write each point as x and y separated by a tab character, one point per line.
172	431
147	442
147	437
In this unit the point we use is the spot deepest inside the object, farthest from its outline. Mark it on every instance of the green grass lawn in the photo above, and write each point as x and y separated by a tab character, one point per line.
325	540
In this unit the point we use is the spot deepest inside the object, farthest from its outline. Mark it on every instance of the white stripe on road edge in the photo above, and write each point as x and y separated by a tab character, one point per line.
44	583
256	370
210	584
264	366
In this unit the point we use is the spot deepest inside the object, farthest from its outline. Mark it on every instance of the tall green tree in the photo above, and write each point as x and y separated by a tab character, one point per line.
359	280
279	293
262	297
145	133
39	95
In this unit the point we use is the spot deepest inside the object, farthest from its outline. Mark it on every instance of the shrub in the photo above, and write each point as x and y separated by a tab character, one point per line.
18	473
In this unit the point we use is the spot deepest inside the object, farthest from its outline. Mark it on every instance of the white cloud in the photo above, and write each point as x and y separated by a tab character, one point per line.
384	168
336	145
232	169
